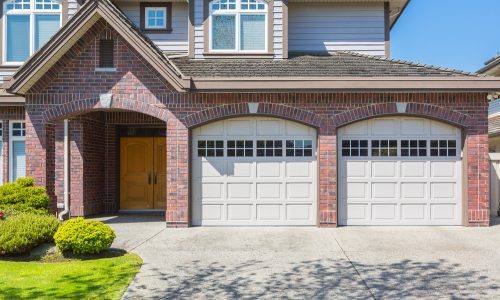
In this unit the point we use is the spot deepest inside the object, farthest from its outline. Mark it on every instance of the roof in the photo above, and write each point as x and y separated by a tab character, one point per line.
491	67
341	64
92	11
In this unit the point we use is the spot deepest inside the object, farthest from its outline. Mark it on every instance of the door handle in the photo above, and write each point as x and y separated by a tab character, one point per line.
155	178
149	178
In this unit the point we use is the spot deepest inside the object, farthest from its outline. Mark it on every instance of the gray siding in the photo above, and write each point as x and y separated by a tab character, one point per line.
278	29
494	107
199	43
177	40
329	27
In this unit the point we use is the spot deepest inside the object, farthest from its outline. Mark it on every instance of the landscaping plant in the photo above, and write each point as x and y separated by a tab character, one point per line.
82	236
21	233
23	196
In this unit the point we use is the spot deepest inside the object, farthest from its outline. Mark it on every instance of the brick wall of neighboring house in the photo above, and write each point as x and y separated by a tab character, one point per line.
72	87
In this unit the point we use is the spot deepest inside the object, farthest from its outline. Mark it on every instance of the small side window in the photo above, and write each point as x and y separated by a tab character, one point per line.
156	17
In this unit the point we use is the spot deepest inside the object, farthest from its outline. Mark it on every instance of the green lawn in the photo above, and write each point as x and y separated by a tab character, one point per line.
104	278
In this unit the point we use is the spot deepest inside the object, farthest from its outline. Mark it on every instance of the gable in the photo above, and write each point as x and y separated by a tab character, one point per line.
77	71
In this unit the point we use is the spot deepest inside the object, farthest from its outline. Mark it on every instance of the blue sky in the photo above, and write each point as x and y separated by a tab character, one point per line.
459	34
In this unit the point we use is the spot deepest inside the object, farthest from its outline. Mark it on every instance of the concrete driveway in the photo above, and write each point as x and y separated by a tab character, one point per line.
349	262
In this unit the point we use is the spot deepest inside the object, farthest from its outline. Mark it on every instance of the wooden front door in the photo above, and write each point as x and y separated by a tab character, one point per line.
142	173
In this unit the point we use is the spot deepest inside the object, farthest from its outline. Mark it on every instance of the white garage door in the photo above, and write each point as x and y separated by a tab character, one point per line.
254	171
399	171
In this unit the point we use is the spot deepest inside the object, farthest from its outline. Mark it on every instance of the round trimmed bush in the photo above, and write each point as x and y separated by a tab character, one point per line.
22	232
82	236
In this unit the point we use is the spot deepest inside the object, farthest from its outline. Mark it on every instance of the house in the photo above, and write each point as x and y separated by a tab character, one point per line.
492	68
240	112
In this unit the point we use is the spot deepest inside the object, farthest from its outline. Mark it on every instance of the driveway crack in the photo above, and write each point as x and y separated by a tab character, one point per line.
354	267
147	240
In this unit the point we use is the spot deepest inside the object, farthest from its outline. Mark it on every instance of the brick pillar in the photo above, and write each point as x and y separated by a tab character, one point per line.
76	168
478	176
40	153
327	162
177	214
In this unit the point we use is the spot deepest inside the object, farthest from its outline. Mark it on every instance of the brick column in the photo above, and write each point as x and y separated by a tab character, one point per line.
327	162
478	177
177	214
40	153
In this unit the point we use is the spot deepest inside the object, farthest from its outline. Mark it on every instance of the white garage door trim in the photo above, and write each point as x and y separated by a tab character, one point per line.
401	189
254	190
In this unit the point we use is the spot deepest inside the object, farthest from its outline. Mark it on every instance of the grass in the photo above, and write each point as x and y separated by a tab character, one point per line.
59	277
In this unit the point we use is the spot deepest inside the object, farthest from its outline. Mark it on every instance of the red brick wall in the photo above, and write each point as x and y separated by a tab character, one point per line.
73	87
8	113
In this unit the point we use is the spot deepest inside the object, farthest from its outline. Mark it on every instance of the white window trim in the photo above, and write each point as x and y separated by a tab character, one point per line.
237	13
146	9
13	139
32	12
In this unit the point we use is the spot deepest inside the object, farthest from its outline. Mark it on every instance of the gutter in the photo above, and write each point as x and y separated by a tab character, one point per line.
66	171
331	84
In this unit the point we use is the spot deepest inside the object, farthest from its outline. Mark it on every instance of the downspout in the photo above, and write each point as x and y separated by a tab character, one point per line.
66	170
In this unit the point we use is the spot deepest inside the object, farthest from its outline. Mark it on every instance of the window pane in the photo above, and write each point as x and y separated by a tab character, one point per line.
45	27
223	32
18	38
253	32
18	160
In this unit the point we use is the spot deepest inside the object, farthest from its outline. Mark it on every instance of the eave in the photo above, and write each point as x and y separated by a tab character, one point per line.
248	84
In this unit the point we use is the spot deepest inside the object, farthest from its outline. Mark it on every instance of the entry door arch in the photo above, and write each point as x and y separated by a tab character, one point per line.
254	171
399	171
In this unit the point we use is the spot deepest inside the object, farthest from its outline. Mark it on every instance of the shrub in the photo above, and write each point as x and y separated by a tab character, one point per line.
23	196
21	233
83	236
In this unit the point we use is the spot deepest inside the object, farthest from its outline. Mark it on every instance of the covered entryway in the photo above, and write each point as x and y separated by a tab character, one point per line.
400	171
254	171
142	173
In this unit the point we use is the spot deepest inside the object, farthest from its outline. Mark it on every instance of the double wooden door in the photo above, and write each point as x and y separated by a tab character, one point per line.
142	173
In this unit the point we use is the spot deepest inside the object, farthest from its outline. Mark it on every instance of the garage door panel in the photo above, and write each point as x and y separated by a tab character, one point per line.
443	190
444	169
206	169
269	127
412	188
296	130
269	212
357	190
268	191
384	169
384	127
357	211
443	211
299	212
239	128
269	169
298	169
216	128
384	211
211	190
415	169
357	169
239	190
239	169
212	212
299	190
413	127
413	211
237	212
384	190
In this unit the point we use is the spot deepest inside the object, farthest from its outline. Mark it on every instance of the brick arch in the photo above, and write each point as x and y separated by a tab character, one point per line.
242	109
83	106
438	113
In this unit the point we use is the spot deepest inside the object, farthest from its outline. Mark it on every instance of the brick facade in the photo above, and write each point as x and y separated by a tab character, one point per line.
72	89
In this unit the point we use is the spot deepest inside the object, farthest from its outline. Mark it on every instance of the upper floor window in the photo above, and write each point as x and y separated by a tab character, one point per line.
156	17
238	25
28	25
